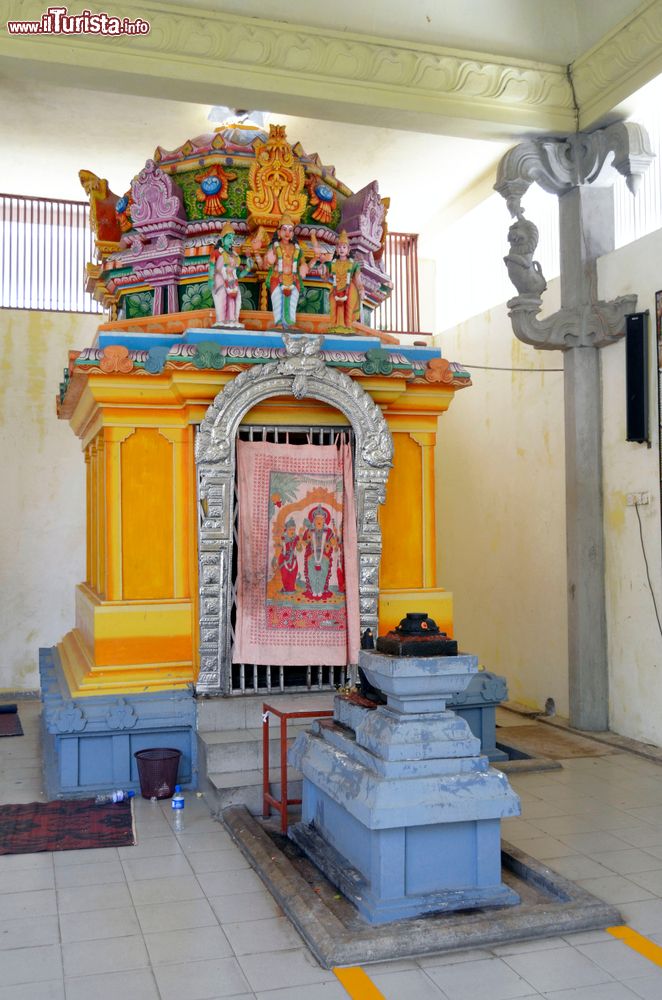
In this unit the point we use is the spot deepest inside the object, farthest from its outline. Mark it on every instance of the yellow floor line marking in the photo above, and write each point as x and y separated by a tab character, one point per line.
637	942
358	984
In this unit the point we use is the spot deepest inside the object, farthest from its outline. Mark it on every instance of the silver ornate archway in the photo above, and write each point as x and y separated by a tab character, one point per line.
300	372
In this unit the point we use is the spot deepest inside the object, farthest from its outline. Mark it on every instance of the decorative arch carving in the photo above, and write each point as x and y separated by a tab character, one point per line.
301	372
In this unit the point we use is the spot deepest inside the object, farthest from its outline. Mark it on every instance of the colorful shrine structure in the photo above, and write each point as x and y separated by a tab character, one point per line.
157	402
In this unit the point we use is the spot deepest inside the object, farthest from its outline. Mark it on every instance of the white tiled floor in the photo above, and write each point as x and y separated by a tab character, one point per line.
184	918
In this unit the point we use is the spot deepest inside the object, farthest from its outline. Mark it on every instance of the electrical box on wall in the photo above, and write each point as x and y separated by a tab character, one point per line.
636	377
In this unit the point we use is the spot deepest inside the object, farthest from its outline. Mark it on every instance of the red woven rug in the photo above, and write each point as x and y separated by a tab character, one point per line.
65	826
10	724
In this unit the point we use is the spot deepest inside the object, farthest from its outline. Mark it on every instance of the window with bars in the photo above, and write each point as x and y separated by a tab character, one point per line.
400	312
45	244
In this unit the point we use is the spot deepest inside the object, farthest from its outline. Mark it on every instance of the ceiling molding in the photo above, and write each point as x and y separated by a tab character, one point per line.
210	57
623	61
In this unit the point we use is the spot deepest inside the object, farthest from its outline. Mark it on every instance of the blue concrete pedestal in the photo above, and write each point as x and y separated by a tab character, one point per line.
399	809
478	704
89	743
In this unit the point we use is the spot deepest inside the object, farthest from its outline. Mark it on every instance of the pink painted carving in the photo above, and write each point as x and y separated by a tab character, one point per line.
156	197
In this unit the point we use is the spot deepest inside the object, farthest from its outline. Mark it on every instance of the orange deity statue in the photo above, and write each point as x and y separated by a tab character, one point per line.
347	290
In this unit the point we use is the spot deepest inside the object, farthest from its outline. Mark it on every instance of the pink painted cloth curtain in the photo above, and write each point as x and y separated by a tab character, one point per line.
297	575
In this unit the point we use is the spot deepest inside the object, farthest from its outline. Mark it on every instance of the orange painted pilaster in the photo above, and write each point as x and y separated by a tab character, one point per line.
113	437
429	542
99	527
89	523
181	484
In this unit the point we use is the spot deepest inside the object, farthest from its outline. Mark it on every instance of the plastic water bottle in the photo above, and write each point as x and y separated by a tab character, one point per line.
178	804
104	798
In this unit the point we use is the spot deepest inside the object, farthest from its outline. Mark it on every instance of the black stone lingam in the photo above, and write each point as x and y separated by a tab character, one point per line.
417	635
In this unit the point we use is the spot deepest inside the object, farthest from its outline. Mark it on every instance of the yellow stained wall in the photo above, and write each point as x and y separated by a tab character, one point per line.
42	528
501	507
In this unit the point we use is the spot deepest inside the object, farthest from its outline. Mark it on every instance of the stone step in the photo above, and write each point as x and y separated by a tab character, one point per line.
231	788
245	711
241	749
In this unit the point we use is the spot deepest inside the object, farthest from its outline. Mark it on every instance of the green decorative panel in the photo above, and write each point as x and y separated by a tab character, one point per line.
235	205
249	294
314	300
189	186
138	304
195	296
209	355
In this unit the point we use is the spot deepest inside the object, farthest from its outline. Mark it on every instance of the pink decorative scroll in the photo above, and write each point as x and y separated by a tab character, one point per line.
297	587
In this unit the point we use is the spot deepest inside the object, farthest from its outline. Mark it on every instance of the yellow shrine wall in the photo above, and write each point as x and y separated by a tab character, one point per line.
42	527
129	580
136	614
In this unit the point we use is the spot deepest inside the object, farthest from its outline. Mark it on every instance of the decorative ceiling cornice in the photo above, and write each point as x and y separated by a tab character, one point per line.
622	62
195	54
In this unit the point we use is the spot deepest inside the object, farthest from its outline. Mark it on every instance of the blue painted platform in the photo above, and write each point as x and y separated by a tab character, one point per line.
477	705
400	810
252	338
89	743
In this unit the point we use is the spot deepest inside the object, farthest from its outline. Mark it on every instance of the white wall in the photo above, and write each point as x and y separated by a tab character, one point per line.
635	643
42	529
501	507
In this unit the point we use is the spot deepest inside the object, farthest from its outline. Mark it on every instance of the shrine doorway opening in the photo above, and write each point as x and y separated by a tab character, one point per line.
298	370
253	678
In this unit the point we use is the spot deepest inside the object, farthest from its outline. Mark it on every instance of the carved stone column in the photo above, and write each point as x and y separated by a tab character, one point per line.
580	170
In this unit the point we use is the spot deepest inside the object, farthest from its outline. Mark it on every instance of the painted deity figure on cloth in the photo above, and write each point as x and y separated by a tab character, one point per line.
285	260
347	290
287	557
224	277
320	539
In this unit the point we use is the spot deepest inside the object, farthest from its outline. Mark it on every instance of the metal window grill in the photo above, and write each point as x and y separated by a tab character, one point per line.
400	312
253	678
45	244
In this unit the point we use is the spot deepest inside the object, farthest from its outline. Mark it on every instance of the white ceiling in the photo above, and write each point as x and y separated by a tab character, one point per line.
56	131
555	31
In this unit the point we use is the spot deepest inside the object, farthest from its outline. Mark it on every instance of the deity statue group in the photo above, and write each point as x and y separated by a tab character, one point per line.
285	262
318	541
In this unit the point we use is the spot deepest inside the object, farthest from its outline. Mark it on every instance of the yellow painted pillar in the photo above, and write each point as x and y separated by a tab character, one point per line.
90	487
181	487
113	438
429	542
193	516
100	509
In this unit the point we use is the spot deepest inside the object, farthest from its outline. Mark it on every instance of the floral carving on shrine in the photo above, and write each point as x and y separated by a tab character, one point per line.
115	358
439	370
213	188
322	198
123	212
276	182
155	197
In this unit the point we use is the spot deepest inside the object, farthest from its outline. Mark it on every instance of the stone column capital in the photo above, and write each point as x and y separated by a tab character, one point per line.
559	164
